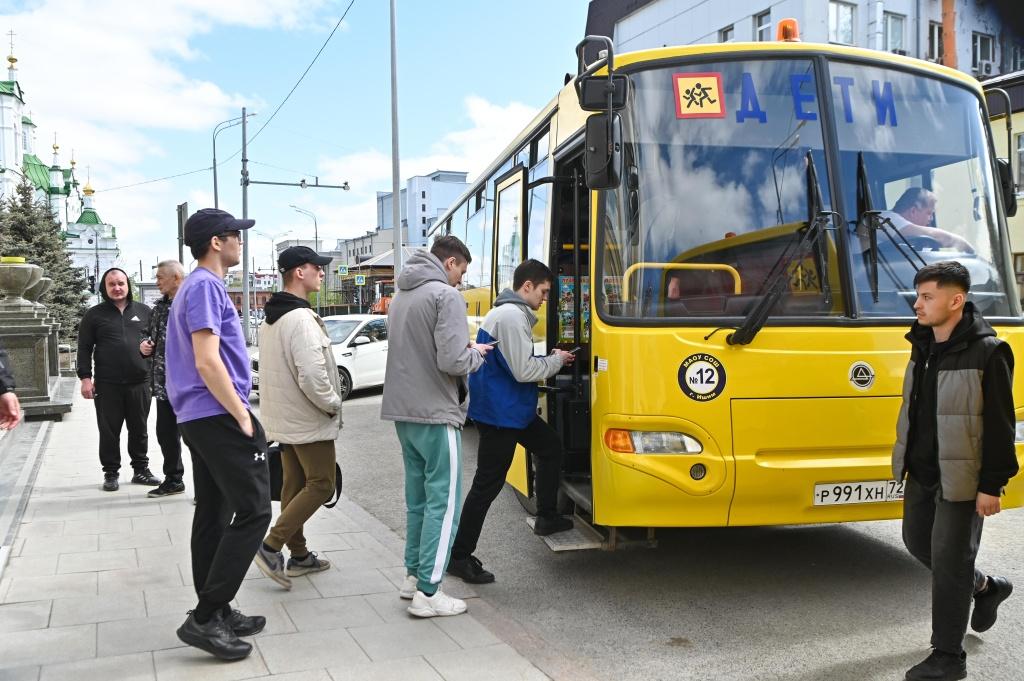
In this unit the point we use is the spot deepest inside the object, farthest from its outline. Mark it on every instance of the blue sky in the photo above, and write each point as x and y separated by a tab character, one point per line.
142	84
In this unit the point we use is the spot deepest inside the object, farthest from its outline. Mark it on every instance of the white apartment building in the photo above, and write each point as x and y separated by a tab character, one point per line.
968	35
424	199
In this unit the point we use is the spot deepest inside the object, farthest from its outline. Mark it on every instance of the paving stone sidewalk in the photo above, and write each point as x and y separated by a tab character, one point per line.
98	582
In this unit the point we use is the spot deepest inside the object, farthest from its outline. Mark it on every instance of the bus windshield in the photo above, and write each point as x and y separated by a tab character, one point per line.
725	170
925	161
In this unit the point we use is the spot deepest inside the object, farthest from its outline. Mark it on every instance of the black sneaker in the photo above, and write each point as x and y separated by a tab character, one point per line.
987	602
246	625
166	489
110	483
545	525
143	476
939	666
215	637
470	570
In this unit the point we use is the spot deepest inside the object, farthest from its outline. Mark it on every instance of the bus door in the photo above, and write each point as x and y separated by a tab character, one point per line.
568	393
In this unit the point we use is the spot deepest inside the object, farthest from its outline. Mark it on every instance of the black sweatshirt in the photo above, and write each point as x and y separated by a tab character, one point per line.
998	453
112	338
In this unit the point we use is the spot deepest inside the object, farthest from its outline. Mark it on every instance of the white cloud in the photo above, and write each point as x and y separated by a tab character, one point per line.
107	75
472	149
112	77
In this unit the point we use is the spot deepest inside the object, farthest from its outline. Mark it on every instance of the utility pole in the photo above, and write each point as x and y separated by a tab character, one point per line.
245	237
396	195
182	219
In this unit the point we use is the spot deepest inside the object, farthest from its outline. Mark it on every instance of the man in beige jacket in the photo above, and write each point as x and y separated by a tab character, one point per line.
300	398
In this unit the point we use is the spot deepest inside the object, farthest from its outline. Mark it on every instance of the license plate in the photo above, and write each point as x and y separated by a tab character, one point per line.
871	492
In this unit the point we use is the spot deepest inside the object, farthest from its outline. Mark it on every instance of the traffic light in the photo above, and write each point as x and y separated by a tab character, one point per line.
92	283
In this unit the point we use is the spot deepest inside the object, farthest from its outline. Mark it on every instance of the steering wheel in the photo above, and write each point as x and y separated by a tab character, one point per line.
922	243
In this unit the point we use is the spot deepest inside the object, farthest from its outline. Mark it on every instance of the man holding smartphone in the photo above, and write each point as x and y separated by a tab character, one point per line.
503	403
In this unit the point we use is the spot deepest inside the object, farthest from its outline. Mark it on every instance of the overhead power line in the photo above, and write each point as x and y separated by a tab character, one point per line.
317	56
262	127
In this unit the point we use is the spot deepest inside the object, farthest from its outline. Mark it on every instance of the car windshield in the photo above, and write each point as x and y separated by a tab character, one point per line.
724	164
339	329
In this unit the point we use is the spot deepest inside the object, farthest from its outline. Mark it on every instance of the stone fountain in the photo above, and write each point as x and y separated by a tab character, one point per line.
27	335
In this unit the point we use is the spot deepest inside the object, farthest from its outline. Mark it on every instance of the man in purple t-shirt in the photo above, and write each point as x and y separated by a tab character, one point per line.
208	383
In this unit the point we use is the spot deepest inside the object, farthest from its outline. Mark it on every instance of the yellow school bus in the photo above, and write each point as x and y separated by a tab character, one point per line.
723	223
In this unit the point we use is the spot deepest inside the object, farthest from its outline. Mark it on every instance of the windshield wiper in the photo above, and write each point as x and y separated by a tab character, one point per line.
810	236
876	223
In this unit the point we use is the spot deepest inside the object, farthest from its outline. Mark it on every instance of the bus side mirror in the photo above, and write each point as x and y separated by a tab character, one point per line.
592	92
602	158
1008	186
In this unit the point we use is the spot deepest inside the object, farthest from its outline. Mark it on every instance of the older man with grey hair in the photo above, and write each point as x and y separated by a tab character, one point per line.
169	275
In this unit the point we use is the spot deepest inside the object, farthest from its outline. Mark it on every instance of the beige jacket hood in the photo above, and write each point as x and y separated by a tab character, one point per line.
300	393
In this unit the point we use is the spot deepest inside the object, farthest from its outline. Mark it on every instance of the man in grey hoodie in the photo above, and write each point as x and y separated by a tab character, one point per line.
425	392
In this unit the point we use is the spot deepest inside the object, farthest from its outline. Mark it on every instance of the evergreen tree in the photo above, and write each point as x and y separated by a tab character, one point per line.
28	230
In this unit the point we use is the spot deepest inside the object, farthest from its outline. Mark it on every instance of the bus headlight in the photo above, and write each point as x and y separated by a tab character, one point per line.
651	442
1019	432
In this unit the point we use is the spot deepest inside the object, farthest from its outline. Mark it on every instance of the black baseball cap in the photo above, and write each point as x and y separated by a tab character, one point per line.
300	255
207	223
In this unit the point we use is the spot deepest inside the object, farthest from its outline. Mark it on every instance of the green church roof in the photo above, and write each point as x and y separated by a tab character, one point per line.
25	120
89	216
36	171
10	87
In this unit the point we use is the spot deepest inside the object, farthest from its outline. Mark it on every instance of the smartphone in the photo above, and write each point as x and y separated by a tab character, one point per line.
576	349
493	343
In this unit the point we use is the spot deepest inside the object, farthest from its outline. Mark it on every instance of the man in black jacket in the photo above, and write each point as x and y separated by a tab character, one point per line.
169	275
109	335
957	465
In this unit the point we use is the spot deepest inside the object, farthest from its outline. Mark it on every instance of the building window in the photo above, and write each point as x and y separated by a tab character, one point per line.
423	232
1020	162
423	220
840	22
763	27
934	41
423	195
726	34
1016	60
894	32
423	208
983	53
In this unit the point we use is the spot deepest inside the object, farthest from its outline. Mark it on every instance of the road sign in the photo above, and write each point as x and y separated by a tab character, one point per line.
360	280
342	270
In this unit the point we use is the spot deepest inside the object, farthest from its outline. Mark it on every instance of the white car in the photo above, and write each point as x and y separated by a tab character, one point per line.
360	346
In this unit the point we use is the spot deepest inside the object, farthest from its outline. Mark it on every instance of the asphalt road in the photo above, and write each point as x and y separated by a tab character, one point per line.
836	602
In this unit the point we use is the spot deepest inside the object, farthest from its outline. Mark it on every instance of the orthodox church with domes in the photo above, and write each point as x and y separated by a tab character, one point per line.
91	243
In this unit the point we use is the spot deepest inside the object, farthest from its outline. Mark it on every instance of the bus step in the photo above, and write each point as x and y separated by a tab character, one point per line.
585	537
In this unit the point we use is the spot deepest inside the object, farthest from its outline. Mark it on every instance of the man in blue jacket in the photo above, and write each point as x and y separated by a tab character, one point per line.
503	403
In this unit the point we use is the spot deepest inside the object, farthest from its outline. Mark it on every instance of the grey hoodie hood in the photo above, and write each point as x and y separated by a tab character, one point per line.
421	267
510	297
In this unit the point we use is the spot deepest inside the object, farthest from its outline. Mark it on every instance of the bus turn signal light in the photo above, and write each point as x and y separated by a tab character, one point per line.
651	442
788	31
619	441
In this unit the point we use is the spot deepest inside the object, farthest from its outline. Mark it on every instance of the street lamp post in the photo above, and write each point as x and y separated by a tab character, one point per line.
273	237
316	244
220	127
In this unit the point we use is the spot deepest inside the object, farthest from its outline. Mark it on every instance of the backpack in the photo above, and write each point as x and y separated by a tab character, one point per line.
277	475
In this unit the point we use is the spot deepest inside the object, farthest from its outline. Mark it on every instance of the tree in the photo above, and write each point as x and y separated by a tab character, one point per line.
28	230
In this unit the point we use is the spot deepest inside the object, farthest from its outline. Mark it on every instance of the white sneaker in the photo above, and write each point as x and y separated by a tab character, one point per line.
409	588
438	605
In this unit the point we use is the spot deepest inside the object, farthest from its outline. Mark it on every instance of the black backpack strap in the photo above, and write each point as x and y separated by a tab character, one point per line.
337	487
